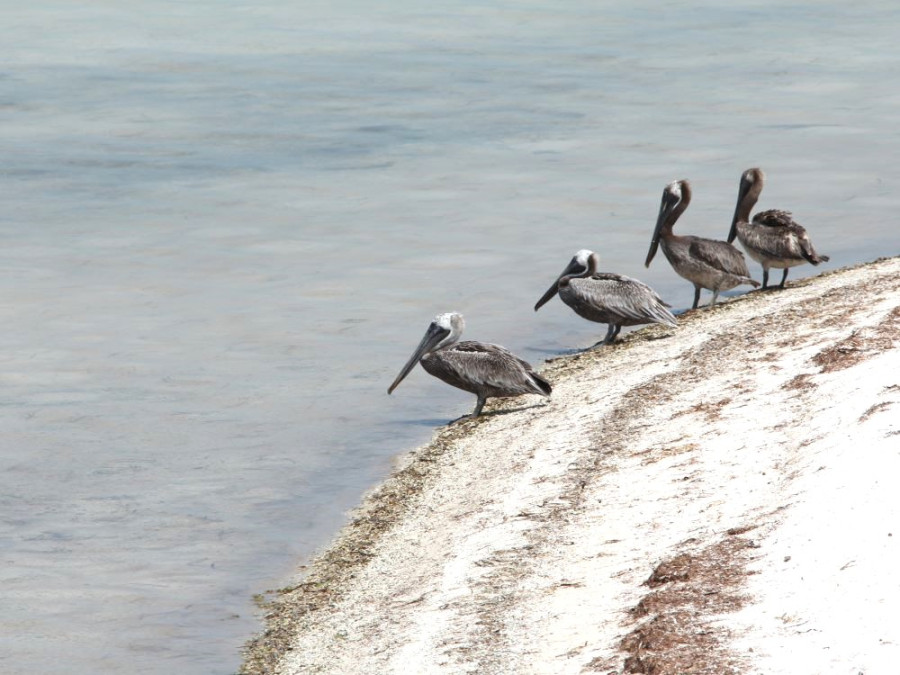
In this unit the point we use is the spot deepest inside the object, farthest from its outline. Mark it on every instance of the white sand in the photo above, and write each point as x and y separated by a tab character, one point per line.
526	551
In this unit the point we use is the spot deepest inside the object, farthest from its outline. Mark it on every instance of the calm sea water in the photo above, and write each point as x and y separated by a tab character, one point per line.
226	224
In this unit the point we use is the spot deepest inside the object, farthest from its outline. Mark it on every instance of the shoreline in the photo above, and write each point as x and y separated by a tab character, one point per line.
625	525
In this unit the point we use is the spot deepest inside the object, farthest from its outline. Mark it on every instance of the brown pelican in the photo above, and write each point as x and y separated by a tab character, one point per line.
706	263
772	238
605	297
486	370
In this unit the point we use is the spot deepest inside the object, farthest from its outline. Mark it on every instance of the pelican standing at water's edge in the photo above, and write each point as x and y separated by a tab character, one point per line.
484	369
772	238
706	263
605	297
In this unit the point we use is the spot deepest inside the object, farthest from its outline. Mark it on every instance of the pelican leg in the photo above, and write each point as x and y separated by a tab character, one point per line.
765	278
478	406
784	277
696	297
712	302
610	334
609	338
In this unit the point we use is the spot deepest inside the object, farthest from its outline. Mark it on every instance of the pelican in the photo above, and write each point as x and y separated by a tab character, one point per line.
706	263
486	370
605	297
772	238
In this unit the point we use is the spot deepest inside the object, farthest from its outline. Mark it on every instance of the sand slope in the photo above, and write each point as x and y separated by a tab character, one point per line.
708	499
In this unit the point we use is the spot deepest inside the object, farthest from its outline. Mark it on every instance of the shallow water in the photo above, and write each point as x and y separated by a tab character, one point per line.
226	225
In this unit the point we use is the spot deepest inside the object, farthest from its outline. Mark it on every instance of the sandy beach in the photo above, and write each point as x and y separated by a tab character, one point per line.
715	498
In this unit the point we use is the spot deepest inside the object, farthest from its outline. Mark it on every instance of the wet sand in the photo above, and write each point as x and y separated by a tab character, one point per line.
714	498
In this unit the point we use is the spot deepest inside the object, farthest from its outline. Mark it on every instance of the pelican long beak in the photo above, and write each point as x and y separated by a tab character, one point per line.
433	336
665	208
572	267
742	192
654	244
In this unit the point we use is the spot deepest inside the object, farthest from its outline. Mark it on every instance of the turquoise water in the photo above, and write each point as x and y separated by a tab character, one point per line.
225	226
